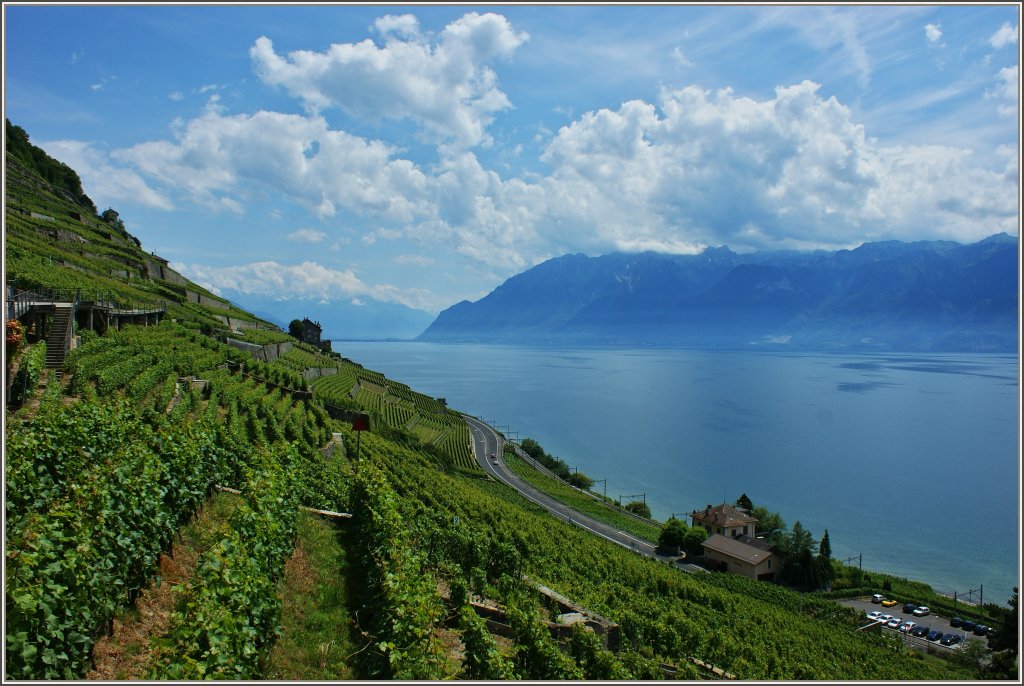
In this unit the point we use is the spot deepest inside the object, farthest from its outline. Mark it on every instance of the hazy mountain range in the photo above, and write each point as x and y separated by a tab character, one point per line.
920	296
369	319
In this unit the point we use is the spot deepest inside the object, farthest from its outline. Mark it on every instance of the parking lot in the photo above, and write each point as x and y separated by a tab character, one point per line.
864	605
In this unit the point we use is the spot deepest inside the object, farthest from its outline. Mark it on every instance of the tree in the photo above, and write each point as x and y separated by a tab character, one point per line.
580	480
826	572
1006	635
295	329
695	535
770	524
639	507
112	217
673	534
825	547
743	502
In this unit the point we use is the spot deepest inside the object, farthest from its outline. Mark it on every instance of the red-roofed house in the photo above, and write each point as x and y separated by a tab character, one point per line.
725	520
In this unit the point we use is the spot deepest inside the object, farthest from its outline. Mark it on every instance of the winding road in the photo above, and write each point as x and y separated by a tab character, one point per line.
488	447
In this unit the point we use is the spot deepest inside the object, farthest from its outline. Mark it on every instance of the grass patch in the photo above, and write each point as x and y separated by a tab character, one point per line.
567	495
316	638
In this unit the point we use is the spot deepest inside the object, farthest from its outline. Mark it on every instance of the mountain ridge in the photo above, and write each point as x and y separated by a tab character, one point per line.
887	295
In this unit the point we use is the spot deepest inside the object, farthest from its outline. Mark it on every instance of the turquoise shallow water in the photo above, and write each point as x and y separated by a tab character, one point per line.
912	461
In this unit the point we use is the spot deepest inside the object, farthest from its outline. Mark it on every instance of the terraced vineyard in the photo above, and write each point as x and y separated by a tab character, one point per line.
106	465
395	405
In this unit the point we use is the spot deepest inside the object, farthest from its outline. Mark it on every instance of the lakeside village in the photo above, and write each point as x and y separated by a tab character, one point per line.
751	541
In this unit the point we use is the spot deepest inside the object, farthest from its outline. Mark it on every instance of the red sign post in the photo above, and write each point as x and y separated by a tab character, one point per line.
359	424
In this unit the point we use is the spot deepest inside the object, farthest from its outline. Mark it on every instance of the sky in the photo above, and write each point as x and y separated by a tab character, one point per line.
423	154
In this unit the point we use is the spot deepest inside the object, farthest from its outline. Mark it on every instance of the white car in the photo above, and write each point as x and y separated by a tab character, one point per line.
922	611
907	626
894	623
877	598
884	619
874	616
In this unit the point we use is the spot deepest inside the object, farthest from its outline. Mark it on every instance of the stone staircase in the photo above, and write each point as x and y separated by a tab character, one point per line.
59	336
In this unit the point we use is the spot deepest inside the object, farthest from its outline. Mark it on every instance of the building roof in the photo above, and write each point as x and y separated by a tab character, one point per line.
722	515
750	550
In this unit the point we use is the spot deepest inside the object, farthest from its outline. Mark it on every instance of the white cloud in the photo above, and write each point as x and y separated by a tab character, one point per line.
445	86
1006	35
216	156
176	96
307	236
419	260
698	168
301	281
933	33
793	171
101	179
1006	89
680	57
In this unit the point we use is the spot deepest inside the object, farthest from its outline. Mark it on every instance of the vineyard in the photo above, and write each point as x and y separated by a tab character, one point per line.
108	462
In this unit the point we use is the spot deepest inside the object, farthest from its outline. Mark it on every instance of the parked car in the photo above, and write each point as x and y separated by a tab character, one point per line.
890	603
968	625
951	639
909	608
934	635
980	630
920	631
907	626
894	623
922	611
874	615
884	619
955	622
877	598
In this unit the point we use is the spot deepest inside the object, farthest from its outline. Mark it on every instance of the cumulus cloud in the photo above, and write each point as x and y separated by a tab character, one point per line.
1006	90
1006	35
792	171
216	158
696	168
103	179
302	281
933	33
307	236
444	86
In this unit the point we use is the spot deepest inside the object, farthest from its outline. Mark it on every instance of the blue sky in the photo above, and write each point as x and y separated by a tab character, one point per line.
423	154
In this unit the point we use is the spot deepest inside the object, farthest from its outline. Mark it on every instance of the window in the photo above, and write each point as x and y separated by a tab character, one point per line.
744	529
769	563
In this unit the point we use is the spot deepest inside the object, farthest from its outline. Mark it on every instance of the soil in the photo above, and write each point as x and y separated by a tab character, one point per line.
127	654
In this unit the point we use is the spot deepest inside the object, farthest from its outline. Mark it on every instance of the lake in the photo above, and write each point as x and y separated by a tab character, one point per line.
912	461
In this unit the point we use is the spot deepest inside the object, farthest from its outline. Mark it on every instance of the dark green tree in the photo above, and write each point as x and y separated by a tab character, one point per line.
673	534
744	503
695	535
825	547
770	524
295	328
580	480
639	507
111	216
1006	634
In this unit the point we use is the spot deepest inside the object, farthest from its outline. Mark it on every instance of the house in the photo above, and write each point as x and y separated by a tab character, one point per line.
725	520
753	558
311	332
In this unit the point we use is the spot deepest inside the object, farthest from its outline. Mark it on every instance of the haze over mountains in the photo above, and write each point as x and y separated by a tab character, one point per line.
920	296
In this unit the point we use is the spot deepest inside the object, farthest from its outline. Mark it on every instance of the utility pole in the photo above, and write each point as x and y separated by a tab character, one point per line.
605	483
